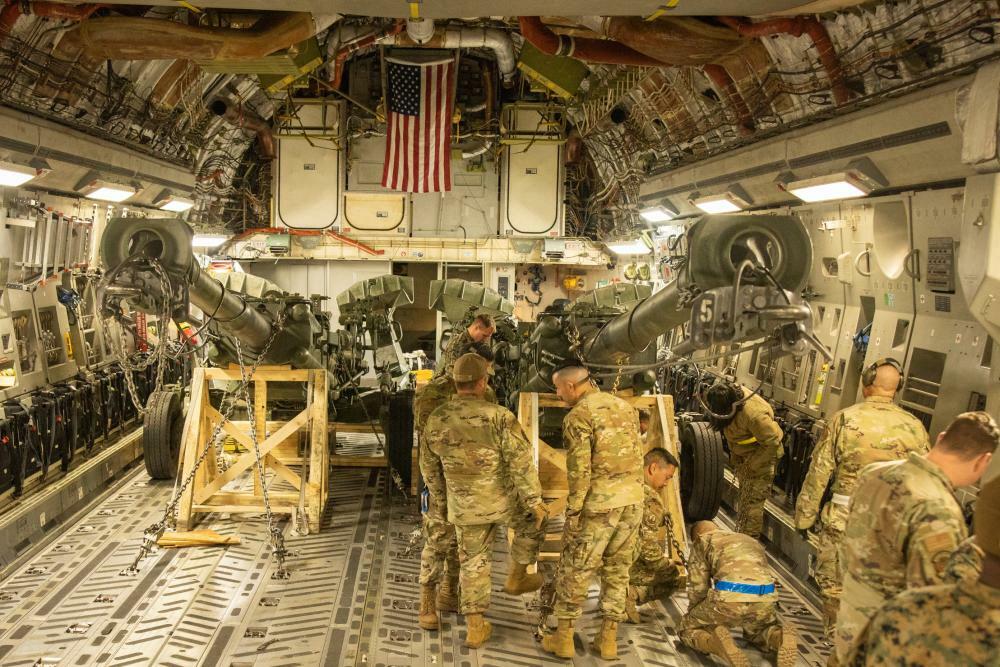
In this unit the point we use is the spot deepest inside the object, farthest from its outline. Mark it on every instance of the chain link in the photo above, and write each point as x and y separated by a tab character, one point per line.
675	547
153	533
159	353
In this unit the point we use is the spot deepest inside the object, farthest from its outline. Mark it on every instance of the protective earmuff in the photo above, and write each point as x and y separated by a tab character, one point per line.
868	375
735	395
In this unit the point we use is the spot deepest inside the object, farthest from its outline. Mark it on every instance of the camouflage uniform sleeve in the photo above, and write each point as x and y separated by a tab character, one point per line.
821	467
699	577
431	469
935	532
577	433
966	562
858	654
520	461
650	546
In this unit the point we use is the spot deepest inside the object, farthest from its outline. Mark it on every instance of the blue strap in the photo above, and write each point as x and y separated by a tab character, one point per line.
425	499
749	589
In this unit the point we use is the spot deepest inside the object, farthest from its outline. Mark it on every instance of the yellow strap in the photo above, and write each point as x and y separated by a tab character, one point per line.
747	441
662	9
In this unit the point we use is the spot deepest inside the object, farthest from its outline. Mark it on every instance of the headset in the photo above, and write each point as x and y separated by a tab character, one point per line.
868	375
735	396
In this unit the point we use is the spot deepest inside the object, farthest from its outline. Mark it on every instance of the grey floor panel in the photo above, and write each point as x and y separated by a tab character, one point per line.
351	599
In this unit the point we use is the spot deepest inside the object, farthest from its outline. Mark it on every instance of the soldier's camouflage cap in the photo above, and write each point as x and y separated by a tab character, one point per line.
469	368
987	517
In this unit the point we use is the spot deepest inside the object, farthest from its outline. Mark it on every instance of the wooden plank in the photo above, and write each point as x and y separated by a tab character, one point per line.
283	471
249	459
317	487
243	509
263	375
190	444
245	499
260	427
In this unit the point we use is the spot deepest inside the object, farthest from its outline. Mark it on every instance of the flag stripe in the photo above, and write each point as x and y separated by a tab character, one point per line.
418	126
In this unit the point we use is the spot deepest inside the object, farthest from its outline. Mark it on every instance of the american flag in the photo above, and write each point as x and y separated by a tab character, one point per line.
418	141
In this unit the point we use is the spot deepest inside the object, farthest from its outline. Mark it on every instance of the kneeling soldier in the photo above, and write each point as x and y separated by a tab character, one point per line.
742	595
653	576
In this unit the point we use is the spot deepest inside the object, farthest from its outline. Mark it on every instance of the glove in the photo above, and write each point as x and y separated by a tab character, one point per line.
572	522
540	514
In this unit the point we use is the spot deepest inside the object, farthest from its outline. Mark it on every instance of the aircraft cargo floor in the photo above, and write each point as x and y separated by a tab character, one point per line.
351	599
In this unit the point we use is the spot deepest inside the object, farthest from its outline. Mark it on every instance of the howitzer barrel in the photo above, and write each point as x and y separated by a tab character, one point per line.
717	246
169	242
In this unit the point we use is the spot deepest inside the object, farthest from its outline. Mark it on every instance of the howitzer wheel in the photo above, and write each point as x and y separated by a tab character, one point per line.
702	465
163	427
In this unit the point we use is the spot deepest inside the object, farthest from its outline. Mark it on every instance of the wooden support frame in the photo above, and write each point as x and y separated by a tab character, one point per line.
357	460
279	449
552	462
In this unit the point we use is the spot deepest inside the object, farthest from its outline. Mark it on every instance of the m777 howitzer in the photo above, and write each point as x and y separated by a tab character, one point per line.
246	320
740	281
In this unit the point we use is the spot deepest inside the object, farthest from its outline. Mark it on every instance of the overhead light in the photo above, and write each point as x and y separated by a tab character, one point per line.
661	213
208	240
168	201
629	246
732	200
859	179
96	186
14	172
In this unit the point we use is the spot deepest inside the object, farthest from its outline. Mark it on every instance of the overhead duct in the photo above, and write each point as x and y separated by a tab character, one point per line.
582	48
467	38
129	38
51	10
356	44
677	40
796	27
249	122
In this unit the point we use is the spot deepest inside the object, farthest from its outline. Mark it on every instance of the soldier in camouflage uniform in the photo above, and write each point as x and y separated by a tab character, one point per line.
439	566
480	459
754	439
653	576
956	625
904	522
603	508
480	331
869	432
730	585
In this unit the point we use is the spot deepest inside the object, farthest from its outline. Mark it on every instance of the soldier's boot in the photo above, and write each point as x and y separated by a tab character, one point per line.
560	642
785	645
831	607
720	643
606	640
631	609
478	630
520	582
428	617
447	595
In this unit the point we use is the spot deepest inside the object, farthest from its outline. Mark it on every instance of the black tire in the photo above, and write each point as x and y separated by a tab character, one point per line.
398	429
702	465
163	428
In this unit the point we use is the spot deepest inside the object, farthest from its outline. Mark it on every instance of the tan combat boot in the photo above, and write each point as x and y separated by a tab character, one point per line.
631	610
447	595
785	645
428	618
606	640
721	643
831	607
478	630
520	582
560	642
